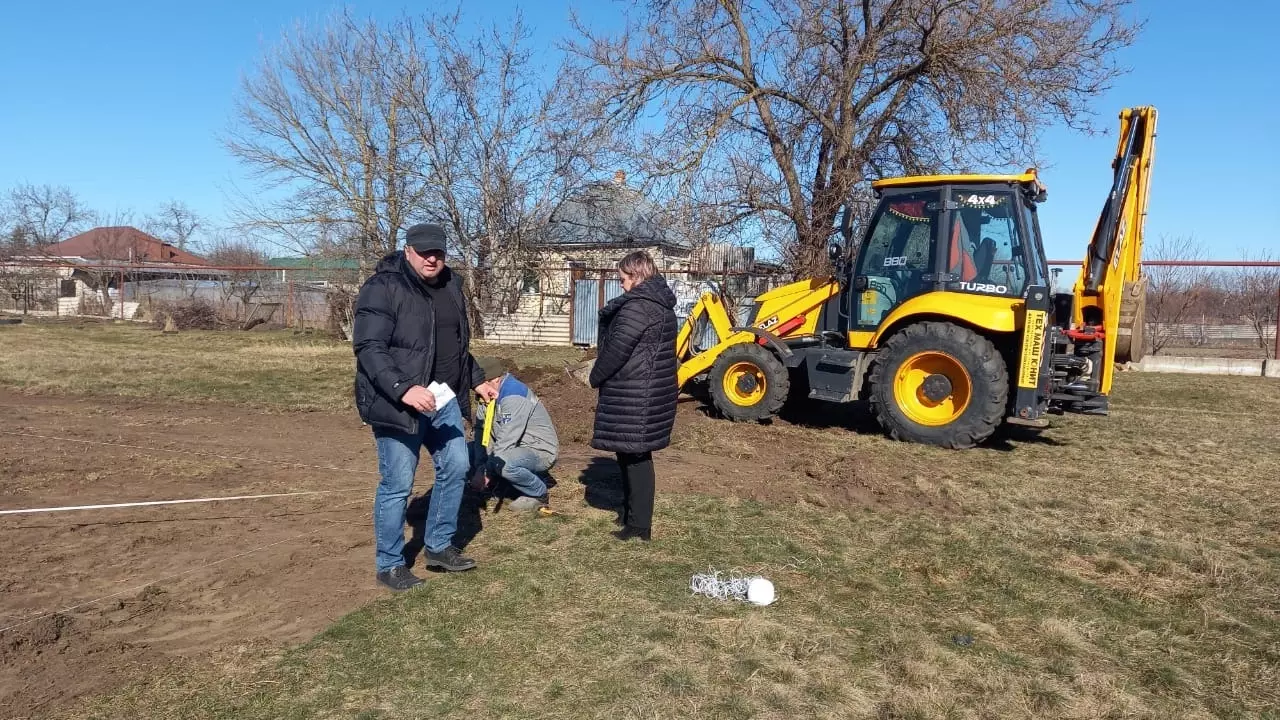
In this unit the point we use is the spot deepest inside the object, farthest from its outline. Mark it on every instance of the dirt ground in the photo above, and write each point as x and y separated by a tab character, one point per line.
91	599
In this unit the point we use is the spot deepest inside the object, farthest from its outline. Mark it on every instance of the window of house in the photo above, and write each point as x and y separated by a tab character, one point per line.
66	288
530	282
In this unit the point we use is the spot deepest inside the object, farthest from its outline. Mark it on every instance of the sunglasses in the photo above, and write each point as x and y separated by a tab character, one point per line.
437	255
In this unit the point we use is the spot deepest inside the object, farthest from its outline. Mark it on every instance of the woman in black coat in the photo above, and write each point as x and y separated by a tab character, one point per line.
635	371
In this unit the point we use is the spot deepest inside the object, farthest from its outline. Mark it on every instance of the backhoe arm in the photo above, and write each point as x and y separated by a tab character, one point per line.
1110	292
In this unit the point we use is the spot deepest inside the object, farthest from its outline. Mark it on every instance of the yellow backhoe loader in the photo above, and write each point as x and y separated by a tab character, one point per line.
944	318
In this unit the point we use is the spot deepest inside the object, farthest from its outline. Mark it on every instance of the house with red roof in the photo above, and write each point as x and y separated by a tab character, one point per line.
120	245
94	266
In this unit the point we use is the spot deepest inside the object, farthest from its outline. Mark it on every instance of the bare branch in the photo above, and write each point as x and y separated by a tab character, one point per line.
45	214
793	104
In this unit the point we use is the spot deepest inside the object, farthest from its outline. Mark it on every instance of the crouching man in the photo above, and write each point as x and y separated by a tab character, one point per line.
518	438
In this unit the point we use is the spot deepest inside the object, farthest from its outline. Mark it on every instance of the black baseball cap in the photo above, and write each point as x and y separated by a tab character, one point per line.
425	237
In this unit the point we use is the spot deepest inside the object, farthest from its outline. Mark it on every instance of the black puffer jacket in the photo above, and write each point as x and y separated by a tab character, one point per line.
635	370
395	344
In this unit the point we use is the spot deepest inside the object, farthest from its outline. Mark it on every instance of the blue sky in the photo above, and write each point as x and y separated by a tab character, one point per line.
123	103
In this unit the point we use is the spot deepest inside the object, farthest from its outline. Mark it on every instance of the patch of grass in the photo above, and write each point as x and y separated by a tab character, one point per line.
987	615
284	370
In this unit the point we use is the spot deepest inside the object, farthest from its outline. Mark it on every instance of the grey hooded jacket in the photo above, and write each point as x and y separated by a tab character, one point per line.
521	420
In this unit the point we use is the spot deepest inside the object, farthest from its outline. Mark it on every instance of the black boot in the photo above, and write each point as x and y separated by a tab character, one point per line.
629	531
449	560
399	579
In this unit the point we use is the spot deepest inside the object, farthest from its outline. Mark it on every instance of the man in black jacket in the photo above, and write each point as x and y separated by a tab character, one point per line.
410	333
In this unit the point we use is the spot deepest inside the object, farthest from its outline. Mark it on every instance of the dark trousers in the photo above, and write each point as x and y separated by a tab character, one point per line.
637	489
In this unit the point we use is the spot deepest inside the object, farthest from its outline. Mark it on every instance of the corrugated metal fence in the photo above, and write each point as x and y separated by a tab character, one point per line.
588	299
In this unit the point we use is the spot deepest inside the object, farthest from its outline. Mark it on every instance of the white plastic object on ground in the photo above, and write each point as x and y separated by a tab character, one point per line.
760	591
750	588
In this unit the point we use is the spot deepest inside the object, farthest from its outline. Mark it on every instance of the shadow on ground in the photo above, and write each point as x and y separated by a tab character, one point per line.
602	479
470	522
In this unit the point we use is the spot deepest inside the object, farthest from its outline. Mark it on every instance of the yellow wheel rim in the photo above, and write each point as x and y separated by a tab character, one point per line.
744	384
932	388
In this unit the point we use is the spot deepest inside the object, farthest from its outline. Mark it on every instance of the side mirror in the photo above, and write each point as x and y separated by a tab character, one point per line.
834	253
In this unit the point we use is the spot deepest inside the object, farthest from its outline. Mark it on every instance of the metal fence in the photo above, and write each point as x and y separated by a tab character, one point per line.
1227	306
224	297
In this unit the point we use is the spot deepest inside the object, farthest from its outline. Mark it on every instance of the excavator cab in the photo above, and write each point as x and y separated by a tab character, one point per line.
943	317
964	234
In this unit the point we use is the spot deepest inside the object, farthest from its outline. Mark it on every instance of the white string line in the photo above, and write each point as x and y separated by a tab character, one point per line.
189	452
71	508
159	580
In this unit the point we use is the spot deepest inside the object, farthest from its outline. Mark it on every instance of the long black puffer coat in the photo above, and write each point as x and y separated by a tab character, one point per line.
395	344
635	370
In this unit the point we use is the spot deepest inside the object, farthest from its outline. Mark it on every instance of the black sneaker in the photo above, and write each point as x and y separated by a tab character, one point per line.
450	560
399	579
628	532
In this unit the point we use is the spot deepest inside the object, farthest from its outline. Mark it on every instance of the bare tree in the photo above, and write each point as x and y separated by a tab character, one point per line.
173	222
323	122
1173	292
46	214
1255	295
22	282
17	278
497	154
240	281
789	105
360	129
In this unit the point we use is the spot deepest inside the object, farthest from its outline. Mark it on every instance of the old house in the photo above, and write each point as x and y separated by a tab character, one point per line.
87	272
570	272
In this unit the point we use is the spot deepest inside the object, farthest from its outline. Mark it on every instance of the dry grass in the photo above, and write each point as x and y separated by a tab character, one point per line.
1124	566
267	369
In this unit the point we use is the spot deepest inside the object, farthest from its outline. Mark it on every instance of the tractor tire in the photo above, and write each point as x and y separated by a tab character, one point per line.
748	383
1131	343
939	384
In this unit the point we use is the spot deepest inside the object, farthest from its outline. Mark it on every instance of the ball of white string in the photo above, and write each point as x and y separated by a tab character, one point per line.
712	584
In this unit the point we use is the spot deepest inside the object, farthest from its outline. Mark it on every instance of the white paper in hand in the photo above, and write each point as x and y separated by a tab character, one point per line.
442	393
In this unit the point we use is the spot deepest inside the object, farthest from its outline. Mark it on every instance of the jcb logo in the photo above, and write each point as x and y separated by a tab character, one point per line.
900	261
985	288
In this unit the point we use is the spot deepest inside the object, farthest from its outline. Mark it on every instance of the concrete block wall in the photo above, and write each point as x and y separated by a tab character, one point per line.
1208	366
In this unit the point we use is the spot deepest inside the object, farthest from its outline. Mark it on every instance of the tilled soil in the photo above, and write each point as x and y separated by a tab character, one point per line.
90	599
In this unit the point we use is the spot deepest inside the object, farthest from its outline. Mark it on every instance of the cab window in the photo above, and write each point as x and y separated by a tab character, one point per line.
897	254
1039	264
986	254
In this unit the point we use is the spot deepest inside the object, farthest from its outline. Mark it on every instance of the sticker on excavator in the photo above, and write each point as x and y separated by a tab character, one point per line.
1032	348
982	201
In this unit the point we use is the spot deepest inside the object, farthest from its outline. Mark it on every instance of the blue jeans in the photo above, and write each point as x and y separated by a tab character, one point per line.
520	467
443	435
